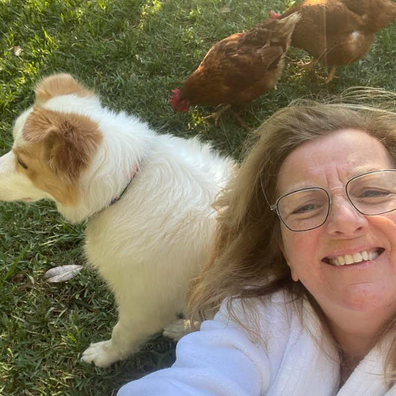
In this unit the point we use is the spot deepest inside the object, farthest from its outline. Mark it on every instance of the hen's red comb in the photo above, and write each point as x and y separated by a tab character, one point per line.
274	15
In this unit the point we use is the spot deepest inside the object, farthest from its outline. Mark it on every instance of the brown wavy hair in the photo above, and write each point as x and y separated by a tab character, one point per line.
246	261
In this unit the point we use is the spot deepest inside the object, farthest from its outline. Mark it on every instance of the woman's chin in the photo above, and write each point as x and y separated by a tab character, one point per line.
364	297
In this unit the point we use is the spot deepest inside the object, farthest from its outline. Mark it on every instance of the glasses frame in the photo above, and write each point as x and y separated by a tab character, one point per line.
275	207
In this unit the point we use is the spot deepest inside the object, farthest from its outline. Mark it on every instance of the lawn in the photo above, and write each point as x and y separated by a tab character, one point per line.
133	53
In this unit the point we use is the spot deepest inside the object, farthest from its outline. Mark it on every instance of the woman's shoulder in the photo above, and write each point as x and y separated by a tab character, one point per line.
277	313
273	324
278	303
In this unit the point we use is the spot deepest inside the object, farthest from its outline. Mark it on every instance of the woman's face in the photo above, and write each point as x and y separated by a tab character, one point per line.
329	162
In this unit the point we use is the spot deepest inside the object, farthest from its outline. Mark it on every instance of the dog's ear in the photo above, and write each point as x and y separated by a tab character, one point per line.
57	85
68	141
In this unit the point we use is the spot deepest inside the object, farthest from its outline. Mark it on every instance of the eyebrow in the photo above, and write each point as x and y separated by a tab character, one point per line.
363	169
358	171
296	187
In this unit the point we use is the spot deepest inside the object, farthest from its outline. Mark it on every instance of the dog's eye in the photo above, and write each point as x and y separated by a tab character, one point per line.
24	166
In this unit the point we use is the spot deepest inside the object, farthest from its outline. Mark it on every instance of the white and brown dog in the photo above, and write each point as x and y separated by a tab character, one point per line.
147	198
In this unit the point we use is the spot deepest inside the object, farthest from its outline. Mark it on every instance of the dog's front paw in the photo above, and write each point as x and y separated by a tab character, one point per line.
101	354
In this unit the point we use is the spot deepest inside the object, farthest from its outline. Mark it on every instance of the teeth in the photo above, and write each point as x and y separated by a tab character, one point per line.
355	258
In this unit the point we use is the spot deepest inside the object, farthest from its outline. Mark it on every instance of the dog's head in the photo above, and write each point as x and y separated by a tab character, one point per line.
53	144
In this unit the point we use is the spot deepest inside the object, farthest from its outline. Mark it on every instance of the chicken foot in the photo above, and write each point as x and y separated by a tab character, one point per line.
331	75
223	108
307	65
216	115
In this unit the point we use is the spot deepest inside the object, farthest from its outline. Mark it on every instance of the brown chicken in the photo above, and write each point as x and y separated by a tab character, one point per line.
239	68
338	32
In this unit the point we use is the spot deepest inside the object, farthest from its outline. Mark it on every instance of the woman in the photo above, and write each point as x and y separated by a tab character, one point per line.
304	266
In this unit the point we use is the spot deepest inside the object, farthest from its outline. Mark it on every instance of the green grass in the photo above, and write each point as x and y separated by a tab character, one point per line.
133	53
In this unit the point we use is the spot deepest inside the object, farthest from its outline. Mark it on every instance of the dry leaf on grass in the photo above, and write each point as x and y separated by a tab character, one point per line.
225	10
62	273
17	51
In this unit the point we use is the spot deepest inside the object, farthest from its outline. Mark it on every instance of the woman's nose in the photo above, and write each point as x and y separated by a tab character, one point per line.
344	219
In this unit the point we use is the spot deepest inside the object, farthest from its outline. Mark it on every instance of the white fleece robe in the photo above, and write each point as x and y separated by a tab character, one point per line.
222	360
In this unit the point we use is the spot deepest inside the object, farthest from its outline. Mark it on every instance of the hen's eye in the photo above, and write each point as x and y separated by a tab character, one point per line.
24	166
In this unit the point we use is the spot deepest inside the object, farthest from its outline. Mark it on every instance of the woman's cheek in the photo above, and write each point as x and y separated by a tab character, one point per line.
386	224
294	249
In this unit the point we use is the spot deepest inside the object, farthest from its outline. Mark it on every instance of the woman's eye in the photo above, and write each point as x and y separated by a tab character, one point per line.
373	194
304	209
24	166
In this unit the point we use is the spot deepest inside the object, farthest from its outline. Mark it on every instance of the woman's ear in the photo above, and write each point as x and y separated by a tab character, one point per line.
292	272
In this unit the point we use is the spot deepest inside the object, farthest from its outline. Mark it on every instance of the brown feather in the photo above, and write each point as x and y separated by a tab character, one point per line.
242	66
339	32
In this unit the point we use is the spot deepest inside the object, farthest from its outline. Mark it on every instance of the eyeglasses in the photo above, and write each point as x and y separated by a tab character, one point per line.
371	194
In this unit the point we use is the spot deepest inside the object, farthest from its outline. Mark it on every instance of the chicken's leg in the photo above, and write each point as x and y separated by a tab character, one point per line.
330	77
242	122
331	74
307	65
223	108
216	115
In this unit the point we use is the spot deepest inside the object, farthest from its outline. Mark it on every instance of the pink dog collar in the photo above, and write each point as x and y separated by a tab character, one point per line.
133	174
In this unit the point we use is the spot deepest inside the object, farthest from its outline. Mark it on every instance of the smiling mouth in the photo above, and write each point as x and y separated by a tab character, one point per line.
355	258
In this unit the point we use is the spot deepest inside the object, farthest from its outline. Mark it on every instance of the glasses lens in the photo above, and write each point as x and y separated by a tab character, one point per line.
305	209
373	193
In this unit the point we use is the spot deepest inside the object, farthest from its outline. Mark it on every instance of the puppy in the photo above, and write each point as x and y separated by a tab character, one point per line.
147	198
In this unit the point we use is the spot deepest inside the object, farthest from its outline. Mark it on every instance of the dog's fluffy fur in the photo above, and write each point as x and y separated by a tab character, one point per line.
149	244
